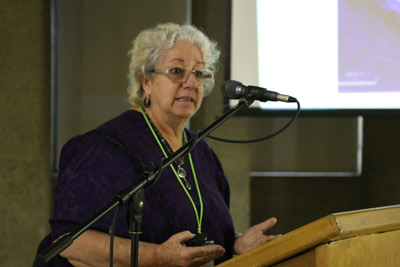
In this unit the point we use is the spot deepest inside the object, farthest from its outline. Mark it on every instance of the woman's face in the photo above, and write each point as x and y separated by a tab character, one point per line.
177	99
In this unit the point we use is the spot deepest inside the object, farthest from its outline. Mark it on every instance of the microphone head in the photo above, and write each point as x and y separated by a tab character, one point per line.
232	89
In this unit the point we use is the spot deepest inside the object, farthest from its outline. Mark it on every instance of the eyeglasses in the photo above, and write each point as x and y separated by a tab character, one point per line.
178	74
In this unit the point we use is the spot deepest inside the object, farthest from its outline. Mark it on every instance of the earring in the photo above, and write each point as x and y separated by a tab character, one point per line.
147	101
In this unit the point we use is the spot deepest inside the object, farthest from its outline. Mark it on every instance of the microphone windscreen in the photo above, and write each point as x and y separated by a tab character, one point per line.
231	89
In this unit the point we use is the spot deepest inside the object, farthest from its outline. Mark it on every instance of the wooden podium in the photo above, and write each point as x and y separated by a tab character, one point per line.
365	238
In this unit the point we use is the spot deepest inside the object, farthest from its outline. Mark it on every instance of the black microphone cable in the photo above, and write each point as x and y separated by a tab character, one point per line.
112	233
261	138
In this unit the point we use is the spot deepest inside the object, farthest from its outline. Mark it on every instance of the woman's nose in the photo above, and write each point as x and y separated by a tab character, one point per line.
191	79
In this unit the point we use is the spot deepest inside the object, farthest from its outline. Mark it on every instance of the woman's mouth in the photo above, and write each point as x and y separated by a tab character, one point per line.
184	99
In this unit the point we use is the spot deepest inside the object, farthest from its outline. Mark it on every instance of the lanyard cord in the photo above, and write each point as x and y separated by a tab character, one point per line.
199	219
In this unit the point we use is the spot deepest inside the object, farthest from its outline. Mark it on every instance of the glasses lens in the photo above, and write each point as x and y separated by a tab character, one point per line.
180	74
177	73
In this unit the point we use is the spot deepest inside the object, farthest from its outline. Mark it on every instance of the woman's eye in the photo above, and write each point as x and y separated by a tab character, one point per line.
176	71
198	74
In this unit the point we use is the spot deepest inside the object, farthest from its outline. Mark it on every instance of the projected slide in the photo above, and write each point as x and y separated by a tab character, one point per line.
369	46
342	54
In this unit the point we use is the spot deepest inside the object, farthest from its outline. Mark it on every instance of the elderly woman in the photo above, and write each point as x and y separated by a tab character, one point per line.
171	69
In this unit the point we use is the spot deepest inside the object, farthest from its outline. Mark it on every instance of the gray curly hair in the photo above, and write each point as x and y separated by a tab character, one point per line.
149	43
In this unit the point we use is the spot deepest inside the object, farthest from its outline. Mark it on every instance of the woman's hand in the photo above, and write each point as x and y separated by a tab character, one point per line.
174	253
254	236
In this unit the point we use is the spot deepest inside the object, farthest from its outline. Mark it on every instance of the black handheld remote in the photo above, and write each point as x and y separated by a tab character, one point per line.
197	240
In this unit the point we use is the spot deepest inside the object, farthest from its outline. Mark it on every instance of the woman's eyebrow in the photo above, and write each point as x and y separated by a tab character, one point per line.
181	60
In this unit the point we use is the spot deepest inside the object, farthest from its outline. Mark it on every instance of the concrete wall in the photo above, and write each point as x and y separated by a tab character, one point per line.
25	183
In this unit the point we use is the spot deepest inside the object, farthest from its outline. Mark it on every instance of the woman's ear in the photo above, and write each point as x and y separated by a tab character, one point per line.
146	84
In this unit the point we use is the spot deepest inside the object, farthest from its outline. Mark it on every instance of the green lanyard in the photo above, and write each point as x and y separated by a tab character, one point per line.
199	219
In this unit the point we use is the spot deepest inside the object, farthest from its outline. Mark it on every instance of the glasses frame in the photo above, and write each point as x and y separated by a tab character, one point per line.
206	74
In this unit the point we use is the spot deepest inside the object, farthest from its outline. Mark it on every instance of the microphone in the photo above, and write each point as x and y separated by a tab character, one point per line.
236	90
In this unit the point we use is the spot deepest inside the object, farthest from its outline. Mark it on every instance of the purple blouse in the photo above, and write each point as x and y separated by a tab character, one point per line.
93	169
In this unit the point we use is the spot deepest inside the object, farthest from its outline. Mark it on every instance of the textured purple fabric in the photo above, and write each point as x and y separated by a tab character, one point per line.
93	169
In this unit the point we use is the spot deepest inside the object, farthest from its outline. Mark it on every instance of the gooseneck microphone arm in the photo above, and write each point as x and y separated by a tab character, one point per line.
145	180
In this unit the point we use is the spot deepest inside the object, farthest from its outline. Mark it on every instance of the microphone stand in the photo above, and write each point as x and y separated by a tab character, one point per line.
134	195
136	205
